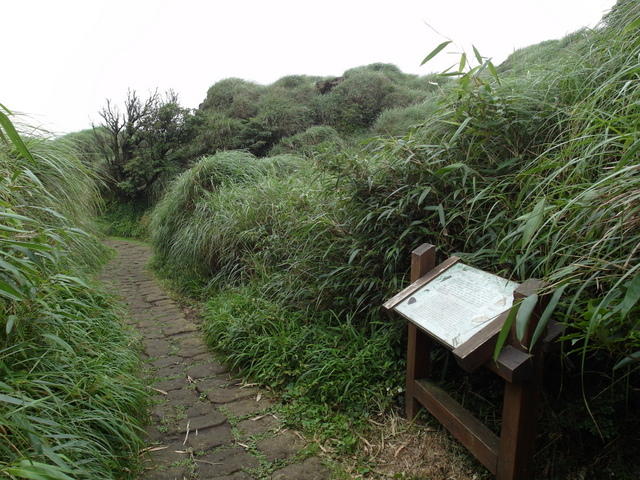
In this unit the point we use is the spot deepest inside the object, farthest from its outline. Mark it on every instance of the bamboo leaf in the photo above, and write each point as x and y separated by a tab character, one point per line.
353	255
459	131
70	280
10	292
425	192
59	341
506	328
14	136
15	216
435	51
630	360
494	72
546	315
449	168
534	220
441	216
629	155
11	320
4	228
29	245
13	400
524	315
477	54
463	62
632	26
631	297
37	471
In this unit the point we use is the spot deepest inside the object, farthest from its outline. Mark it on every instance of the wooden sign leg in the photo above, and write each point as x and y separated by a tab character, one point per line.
423	260
518	430
521	402
418	366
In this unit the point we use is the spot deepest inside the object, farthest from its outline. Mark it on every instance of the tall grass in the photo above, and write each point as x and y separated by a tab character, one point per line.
528	177
309	142
230	210
69	399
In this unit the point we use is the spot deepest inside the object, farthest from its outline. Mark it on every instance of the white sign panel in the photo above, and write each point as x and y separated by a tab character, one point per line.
458	303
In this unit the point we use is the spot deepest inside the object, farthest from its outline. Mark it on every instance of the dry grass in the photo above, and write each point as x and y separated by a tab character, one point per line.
397	448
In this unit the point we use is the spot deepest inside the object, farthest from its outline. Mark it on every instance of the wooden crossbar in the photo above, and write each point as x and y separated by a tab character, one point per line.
470	431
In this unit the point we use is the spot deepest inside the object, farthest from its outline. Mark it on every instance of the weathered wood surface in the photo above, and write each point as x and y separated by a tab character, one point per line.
423	260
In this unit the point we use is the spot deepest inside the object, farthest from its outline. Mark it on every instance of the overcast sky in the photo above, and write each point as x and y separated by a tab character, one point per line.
61	59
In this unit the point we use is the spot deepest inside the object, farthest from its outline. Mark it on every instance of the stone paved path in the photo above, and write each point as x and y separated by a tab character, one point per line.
206	425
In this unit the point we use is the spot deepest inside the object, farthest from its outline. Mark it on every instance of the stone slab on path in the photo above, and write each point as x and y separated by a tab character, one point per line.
206	425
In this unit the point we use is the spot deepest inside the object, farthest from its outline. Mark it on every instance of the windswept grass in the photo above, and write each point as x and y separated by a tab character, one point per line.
229	216
70	401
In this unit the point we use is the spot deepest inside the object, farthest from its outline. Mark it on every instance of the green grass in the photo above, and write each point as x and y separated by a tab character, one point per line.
329	367
127	219
70	401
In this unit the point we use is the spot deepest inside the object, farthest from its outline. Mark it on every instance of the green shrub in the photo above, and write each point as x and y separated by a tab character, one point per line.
398	121
281	114
216	132
224	211
128	219
355	103
233	97
389	70
309	142
302	88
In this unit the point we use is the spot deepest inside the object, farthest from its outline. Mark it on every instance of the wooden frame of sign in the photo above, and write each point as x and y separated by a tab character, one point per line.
464	309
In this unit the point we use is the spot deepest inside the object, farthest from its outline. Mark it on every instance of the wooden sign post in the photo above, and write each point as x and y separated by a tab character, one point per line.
464	309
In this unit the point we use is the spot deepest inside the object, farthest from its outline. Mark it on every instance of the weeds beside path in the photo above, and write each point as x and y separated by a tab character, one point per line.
204	423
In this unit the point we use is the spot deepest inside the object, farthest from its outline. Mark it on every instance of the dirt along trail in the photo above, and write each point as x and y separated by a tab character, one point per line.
206	425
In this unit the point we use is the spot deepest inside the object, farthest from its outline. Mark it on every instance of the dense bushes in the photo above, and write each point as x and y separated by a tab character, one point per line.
257	117
227	210
310	142
70	401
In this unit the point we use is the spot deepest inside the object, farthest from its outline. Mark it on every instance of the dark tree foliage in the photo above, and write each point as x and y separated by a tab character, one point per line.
143	142
151	139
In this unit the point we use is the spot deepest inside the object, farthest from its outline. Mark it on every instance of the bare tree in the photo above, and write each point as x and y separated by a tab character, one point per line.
118	136
138	144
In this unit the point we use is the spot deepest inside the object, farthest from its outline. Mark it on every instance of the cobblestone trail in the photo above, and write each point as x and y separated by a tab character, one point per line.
206	424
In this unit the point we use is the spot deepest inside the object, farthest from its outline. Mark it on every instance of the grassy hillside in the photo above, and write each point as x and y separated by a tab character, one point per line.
527	170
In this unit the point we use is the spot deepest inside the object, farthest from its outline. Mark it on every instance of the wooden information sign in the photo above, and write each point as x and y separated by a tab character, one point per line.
458	303
464	309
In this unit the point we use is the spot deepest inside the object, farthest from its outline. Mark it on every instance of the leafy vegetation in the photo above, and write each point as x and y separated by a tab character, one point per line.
70	402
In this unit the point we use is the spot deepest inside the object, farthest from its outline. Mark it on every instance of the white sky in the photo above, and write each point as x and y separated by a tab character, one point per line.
61	59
